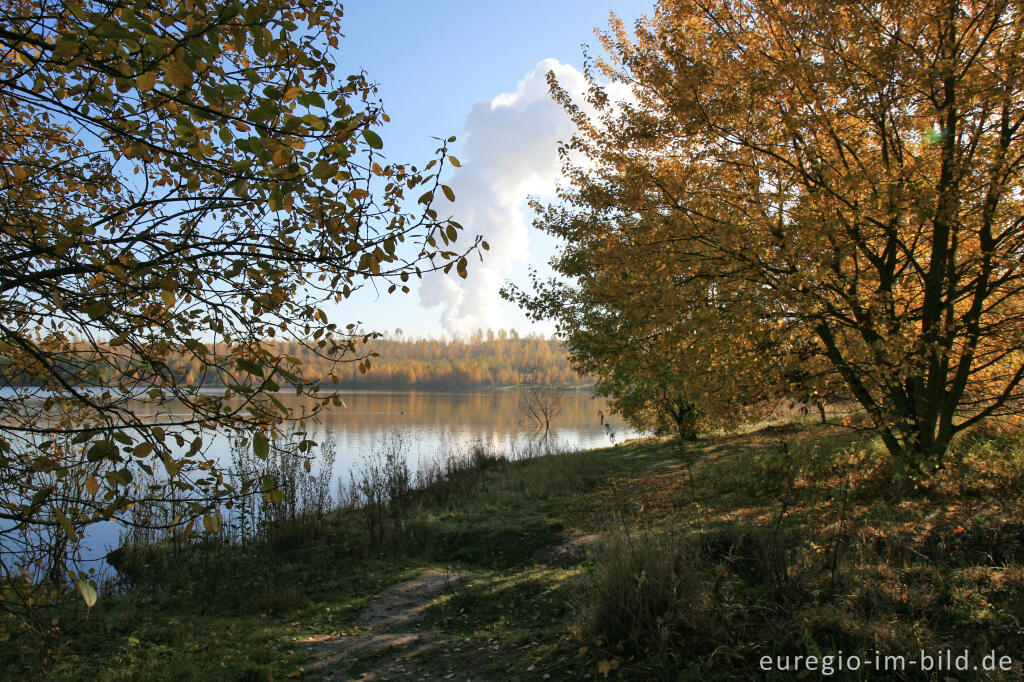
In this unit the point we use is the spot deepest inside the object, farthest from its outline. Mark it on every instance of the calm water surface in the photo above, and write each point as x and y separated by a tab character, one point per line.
430	423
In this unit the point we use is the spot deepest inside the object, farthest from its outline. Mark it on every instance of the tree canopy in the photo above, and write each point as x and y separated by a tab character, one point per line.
851	173
632	318
179	179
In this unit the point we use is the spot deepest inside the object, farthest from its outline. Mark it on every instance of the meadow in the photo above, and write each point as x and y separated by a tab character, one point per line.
787	541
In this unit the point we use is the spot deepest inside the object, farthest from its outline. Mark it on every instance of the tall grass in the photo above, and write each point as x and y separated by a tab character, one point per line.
280	507
285	510
379	487
819	550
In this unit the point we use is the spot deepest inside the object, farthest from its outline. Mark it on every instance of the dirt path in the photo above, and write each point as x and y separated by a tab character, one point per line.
405	603
385	643
386	628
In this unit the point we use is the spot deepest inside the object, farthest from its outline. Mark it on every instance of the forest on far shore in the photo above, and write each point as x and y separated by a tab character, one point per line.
488	359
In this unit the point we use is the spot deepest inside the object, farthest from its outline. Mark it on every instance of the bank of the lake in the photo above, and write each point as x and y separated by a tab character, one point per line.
429	424
783	542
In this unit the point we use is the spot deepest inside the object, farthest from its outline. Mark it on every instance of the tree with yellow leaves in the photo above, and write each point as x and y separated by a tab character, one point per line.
178	180
855	171
634	318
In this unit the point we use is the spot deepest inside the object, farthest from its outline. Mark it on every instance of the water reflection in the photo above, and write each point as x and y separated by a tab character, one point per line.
430	422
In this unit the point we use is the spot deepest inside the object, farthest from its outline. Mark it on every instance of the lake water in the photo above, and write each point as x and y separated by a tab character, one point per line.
430	424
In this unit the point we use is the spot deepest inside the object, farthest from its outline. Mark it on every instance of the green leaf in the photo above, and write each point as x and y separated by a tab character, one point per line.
260	445
311	99
40	497
95	310
143	449
233	91
67	46
103	449
179	73
323	170
121	476
315	122
197	347
250	367
275	200
373	139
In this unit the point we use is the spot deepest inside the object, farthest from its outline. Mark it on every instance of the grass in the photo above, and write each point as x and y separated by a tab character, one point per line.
799	540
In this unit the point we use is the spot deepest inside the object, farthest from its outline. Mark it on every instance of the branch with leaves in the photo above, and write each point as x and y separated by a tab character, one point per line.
181	180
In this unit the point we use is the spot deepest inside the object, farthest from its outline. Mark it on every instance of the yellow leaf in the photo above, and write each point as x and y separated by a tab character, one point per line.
66	524
142	449
146	81
92	485
88	592
179	73
212	523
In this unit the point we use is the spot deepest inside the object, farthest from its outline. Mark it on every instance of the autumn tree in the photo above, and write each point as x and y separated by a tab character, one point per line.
860	165
178	180
634	318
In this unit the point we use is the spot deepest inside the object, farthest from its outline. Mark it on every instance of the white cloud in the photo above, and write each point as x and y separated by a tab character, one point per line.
509	151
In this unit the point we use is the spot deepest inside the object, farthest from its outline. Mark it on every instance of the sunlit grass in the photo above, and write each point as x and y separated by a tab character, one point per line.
793	539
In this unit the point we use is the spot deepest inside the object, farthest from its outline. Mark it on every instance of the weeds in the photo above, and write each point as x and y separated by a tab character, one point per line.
730	550
380	487
819	552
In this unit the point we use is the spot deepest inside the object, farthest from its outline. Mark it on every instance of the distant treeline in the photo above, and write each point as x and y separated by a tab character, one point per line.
483	360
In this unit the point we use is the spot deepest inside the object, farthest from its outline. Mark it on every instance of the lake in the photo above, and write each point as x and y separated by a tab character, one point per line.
430	424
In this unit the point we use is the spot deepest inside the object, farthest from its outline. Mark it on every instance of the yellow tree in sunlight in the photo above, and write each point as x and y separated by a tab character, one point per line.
854	170
632	317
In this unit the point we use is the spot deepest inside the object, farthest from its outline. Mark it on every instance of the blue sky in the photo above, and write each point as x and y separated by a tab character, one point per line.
474	70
